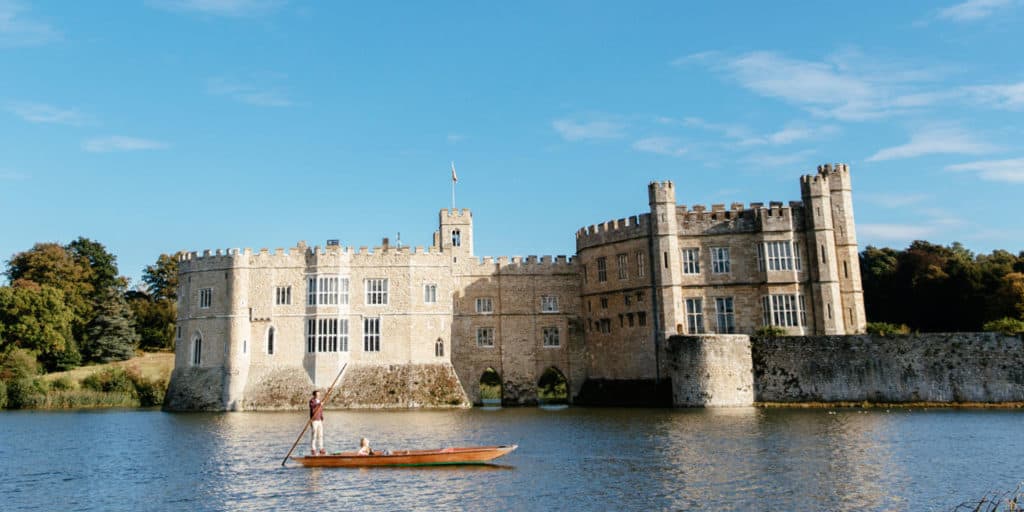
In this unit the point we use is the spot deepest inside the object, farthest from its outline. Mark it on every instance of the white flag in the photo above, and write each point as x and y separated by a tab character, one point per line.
455	179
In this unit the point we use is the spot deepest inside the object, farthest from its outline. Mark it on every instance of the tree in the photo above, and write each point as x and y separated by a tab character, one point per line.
102	265
110	335
34	317
161	278
154	320
49	264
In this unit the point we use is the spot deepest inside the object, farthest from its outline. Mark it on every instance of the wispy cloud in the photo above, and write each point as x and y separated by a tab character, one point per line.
845	86
744	136
230	8
114	143
935	141
1009	171
894	200
894	231
455	138
12	176
780	160
43	113
247	93
575	131
973	10
1006	96
17	30
667	146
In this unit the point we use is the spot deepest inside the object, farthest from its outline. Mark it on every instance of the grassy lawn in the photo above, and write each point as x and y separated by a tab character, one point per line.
152	365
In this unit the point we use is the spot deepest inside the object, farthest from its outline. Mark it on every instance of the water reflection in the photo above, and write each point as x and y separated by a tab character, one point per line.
574	458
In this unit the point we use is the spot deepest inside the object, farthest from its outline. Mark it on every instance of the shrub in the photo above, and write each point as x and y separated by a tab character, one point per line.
114	379
770	331
1008	326
18	363
25	393
81	398
61	384
3	395
887	329
151	392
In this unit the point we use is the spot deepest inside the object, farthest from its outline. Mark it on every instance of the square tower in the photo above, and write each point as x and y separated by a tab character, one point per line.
455	232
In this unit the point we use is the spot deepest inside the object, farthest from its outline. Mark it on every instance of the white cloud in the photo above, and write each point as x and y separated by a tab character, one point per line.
894	231
934	141
230	8
574	131
845	86
746	137
247	93
120	143
43	113
894	200
780	160
667	146
16	30
1009	171
1007	96
973	10
455	138
12	176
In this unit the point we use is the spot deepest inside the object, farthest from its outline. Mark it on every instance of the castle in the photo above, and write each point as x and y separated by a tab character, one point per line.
418	327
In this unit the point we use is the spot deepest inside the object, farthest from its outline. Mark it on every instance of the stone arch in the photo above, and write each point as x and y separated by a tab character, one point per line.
439	348
490	387
196	355
552	387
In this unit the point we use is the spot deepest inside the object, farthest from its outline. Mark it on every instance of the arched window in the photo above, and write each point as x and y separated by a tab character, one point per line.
197	350
270	341
456	238
439	348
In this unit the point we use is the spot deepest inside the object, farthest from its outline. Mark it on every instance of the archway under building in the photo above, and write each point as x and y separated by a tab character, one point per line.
552	388
490	388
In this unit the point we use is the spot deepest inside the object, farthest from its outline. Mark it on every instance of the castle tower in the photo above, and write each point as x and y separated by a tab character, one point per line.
847	257
665	264
455	232
236	360
826	298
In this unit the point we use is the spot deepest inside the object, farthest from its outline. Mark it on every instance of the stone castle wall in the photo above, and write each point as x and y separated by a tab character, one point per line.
933	367
950	368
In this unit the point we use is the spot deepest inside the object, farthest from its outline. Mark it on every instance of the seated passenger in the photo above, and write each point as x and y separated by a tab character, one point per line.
364	447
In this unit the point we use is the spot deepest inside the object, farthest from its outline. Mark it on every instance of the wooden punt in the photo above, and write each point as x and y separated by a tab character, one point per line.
439	457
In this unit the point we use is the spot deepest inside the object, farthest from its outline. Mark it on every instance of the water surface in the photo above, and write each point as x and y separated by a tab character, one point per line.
569	459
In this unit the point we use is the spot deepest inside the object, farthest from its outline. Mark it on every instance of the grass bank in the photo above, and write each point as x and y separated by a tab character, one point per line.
137	382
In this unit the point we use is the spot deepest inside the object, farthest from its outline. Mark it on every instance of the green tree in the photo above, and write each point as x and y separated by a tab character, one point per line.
49	264
161	278
111	335
101	265
154	320
34	317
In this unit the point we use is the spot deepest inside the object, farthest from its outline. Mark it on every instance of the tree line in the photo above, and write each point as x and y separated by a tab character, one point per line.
67	305
935	288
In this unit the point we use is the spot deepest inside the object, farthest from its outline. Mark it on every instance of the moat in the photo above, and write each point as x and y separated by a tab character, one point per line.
569	459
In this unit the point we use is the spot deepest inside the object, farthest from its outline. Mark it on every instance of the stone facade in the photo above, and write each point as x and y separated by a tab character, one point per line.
267	324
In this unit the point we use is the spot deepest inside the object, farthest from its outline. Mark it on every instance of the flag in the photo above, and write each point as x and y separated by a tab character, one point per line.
455	179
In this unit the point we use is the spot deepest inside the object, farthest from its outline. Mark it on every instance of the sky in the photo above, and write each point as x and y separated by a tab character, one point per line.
154	126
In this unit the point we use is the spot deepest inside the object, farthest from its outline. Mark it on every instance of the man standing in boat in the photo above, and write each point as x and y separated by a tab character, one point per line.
316	413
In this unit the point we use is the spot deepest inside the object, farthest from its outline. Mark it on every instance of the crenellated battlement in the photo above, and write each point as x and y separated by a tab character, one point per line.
830	177
614	231
456	213
661	192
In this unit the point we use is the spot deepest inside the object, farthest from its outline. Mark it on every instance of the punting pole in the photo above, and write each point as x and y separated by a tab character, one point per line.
310	420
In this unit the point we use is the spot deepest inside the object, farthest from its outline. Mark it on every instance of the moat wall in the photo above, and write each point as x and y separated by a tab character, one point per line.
718	370
934	367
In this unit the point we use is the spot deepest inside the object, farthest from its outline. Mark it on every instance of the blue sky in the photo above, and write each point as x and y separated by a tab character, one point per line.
154	126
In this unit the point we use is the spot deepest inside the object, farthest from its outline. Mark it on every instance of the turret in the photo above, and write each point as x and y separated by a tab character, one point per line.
847	259
821	251
455	232
665	264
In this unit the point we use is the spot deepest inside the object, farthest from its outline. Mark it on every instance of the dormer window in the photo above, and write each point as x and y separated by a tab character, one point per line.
456	238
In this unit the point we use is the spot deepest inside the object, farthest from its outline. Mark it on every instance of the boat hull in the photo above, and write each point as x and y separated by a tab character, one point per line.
440	457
